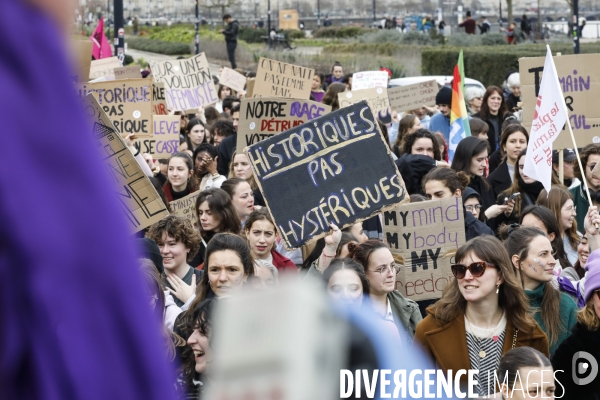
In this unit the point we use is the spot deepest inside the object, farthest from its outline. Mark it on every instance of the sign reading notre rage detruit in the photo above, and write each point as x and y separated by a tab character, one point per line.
422	233
128	104
140	201
188	83
411	97
278	79
578	77
261	118
315	174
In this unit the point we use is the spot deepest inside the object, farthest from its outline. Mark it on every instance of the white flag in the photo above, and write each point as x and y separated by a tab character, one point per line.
548	121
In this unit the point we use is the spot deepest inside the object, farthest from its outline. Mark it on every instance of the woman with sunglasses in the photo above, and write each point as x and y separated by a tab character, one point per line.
585	337
381	270
560	202
531	254
481	315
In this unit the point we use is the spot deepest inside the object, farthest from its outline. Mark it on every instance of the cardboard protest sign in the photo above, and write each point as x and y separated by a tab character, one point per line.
159	104
81	51
232	79
165	140
129	72
369	79
411	97
250	88
104	67
422	233
376	97
185	207
128	104
578	78
278	79
261	118
188	82
141	203
315	173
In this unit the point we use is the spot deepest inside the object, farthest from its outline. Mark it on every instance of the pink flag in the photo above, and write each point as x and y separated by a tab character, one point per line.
101	47
548	121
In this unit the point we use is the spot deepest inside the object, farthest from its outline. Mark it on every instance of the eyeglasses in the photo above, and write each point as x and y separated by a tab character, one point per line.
384	270
476	269
572	210
471	208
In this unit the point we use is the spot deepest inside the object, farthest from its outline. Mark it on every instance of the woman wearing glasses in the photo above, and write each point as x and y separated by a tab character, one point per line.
560	202
481	315
532	256
381	270
472	203
585	337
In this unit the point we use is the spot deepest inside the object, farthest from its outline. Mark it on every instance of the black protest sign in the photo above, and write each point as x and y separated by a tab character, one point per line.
336	168
140	201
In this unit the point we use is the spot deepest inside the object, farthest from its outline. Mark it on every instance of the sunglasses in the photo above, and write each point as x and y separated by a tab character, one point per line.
476	269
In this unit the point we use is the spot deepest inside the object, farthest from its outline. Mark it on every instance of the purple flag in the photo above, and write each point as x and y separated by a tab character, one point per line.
76	322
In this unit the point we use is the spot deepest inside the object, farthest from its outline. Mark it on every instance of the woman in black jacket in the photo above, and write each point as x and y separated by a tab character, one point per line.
581	350
514	139
493	112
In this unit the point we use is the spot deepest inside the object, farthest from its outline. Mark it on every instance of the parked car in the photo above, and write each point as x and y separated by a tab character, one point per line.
442	80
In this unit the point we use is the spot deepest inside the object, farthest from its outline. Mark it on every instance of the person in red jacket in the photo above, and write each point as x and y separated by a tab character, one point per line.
261	233
469	24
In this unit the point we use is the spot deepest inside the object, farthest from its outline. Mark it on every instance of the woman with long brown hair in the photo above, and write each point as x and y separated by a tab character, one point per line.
513	141
482	314
532	257
560	202
408	124
331	95
493	112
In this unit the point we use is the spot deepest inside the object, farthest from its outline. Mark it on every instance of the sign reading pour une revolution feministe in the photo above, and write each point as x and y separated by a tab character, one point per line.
336	168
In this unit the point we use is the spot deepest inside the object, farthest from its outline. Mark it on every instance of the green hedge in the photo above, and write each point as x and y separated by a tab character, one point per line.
159	46
340	32
489	64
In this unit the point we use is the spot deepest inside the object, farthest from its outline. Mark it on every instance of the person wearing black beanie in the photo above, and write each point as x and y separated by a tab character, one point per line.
440	122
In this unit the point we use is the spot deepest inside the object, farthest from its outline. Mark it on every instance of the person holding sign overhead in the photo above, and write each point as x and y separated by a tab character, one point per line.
482	314
180	177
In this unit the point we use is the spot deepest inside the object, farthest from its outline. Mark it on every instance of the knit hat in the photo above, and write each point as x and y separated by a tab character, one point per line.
444	96
592	276
149	249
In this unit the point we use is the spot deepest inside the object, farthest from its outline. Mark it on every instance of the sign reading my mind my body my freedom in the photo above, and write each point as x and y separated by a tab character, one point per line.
423	233
261	118
188	83
317	173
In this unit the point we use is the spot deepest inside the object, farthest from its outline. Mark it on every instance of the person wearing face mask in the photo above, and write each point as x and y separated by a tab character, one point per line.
205	159
585	337
590	156
261	235
531	254
178	241
470	158
525	373
440	122
493	112
381	270
481	316
346	282
443	183
242	197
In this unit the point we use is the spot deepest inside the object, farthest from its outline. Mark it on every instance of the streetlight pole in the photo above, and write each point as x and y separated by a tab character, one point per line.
269	22
118	29
575	26
374	18
500	8
318	14
197	26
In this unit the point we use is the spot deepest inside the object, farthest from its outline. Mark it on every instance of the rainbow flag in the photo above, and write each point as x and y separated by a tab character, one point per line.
459	119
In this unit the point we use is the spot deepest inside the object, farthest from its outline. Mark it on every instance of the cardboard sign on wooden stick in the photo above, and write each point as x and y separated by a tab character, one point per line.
232	79
159	103
315	173
141	203
188	82
578	76
128	104
278	79
424	233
